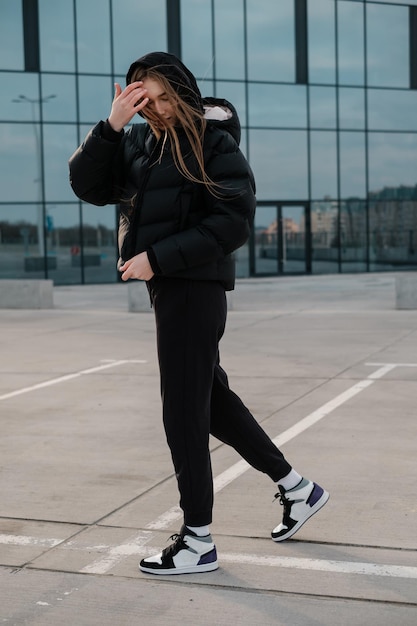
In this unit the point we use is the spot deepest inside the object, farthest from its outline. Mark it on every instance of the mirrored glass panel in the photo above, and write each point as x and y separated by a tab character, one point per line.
351	108
353	235
58	100
350	36
266	240
197	40
22	243
325	237
11	36
277	105
321	41
56	34
229	42
99	244
93	36
20	164
392	110
352	165
96	95
64	242
323	165
279	161
271	40
19	97
322	107
206	88
292	258
412	2
393	234
138	28
392	163
235	93
242	261
60	141
387	45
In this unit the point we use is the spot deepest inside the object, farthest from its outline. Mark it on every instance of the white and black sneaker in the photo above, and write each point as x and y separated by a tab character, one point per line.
187	555
299	503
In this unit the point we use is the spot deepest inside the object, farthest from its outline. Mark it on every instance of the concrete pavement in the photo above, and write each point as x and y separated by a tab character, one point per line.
327	365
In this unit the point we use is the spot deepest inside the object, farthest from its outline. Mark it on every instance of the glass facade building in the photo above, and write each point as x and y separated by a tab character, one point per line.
326	91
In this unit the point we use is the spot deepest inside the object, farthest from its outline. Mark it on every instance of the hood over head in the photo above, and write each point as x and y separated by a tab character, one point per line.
180	77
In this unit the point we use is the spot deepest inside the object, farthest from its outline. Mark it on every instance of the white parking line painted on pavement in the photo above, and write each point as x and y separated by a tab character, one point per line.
25	540
137	544
116	554
323	565
387	367
62	379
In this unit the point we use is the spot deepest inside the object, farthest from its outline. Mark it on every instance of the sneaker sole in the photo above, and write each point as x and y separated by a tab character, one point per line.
192	569
314	509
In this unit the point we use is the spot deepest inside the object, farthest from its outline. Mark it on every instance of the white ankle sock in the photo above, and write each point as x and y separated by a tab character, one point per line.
200	531
290	481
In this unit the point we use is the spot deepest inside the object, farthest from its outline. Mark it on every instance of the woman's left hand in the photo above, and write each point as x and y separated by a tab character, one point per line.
137	267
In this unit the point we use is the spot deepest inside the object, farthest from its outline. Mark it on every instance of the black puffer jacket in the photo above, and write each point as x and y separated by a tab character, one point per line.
186	231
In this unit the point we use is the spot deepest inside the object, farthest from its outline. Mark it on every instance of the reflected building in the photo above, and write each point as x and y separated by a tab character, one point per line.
326	91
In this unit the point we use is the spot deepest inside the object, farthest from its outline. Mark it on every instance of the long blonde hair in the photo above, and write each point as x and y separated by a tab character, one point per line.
192	122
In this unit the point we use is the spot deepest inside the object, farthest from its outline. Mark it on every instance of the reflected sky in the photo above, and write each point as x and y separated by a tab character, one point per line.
279	157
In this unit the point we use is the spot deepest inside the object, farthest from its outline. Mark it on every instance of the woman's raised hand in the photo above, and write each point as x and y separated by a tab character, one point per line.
126	103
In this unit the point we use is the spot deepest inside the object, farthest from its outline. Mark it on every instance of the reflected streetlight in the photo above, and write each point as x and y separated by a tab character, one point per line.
22	99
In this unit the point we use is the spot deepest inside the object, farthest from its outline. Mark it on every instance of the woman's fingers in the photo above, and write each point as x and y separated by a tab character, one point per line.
126	104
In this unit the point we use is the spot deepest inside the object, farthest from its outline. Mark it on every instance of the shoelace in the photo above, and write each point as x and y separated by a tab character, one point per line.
174	548
281	499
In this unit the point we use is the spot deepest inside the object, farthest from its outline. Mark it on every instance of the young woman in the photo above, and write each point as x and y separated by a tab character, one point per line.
187	202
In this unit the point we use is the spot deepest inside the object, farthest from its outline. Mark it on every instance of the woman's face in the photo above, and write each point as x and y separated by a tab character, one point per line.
159	101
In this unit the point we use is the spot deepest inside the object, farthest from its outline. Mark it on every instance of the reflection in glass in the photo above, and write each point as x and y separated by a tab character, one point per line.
96	95
279	161
413	2
21	251
229	42
353	235
60	141
94	53
277	105
20	173
56	35
392	110
351	108
393	232
352	165
271	40
206	88
322	107
235	93
11	35
197	44
325	238
292	257
387	46
266	240
19	102
99	244
323	164
350	43
321	41
59	103
138	28
392	162
63	242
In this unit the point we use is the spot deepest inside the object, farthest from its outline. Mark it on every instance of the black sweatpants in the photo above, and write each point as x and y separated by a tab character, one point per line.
190	320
